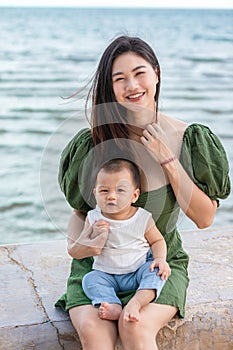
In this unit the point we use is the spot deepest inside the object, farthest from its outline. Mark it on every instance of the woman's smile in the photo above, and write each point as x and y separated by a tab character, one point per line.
135	97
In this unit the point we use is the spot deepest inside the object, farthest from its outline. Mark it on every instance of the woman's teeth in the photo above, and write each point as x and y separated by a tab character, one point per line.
135	96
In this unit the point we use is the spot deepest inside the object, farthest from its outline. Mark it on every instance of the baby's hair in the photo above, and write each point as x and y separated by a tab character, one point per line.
118	164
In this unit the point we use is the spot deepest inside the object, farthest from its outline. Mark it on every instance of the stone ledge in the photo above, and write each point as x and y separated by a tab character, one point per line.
33	276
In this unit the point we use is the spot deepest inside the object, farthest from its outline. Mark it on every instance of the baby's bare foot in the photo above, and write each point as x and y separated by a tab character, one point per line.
109	311
131	311
130	317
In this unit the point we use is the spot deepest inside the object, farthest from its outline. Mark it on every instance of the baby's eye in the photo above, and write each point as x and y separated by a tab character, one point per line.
103	191
121	190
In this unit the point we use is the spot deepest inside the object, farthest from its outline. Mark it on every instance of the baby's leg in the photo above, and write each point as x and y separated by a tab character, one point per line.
101	288
131	312
150	286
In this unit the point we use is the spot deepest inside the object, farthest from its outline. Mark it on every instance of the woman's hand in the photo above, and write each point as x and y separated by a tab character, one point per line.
164	269
157	143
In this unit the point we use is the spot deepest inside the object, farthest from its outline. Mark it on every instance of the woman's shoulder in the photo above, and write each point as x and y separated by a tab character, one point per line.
81	141
71	161
82	136
201	142
172	121
196	129
174	130
201	137
204	158
188	132
174	127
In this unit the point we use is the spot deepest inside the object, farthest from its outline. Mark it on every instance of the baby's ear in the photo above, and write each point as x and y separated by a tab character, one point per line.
136	195
94	191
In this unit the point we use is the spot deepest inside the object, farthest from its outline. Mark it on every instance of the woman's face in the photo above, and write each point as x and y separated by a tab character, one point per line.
134	80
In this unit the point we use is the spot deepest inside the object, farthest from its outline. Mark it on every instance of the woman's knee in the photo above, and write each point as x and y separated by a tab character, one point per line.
134	335
84	324
143	334
91	329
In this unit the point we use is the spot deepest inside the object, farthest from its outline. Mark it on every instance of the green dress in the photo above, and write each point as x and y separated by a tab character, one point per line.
204	159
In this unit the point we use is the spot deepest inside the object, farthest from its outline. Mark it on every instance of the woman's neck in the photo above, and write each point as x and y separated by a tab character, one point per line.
141	118
139	121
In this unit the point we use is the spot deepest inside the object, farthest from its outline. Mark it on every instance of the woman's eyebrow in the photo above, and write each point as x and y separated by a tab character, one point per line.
133	70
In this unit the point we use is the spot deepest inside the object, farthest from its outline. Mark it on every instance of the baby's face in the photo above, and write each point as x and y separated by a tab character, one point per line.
115	192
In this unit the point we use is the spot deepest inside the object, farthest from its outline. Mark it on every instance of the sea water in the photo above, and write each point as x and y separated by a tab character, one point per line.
50	53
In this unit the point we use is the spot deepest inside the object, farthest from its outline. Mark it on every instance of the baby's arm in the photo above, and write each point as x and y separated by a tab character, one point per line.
159	250
99	227
91	240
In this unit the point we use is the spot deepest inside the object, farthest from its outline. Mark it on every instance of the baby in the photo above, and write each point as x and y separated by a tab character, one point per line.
134	254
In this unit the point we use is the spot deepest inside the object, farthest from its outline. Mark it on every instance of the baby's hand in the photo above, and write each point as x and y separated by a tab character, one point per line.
164	269
100	227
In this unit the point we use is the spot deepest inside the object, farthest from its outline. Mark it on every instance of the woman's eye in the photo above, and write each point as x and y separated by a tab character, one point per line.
140	73
118	79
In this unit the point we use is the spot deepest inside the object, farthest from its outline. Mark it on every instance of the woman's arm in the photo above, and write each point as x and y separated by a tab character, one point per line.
81	241
193	201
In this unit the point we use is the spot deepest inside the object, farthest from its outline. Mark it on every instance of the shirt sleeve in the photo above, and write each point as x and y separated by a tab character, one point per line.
204	159
74	173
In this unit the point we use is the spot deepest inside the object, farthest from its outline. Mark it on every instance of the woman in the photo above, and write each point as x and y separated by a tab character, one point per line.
182	166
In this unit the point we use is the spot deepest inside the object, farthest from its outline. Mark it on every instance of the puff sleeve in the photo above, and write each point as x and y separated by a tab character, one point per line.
204	159
70	175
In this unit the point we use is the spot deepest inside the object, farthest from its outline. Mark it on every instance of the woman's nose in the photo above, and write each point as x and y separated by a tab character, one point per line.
131	84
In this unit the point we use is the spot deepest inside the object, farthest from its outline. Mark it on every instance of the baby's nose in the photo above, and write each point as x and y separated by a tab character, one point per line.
112	195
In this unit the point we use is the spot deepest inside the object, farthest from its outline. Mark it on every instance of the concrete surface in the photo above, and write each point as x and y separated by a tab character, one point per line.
33	276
